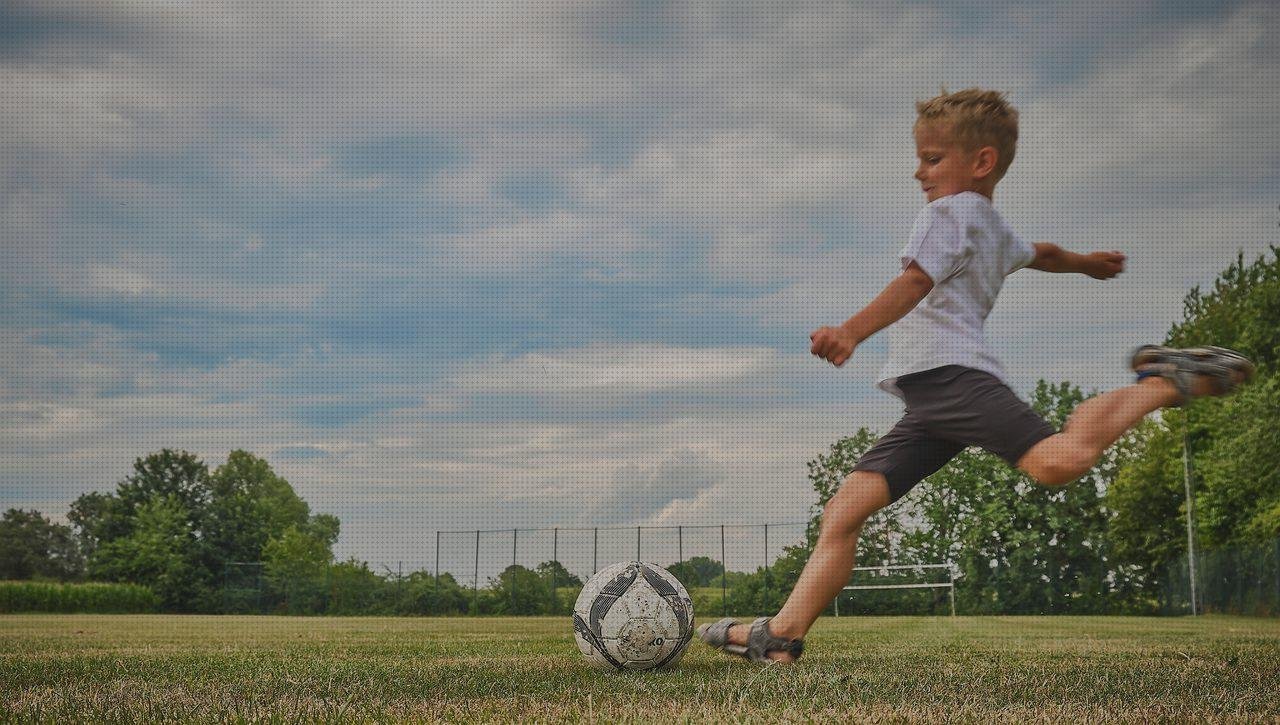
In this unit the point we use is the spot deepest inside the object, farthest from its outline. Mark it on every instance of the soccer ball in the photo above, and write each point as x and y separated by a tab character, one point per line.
633	616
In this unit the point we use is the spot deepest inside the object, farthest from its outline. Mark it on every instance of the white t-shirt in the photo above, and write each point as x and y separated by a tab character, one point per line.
964	246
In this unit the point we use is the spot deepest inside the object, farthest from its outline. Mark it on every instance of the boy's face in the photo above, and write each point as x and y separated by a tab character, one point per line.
945	167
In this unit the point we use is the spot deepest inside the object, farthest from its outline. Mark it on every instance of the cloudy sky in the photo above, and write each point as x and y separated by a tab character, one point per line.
488	265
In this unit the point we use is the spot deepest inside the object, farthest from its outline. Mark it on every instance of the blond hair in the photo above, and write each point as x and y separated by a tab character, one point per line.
976	118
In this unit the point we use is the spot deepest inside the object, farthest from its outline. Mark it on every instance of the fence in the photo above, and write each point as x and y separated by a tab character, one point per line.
727	569
712	552
1236	580
523	571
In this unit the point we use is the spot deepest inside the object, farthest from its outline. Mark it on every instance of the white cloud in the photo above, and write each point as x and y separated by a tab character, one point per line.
621	369
521	245
116	279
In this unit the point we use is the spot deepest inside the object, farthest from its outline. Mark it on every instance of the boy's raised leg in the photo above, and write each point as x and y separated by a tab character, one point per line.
1100	421
831	563
1092	428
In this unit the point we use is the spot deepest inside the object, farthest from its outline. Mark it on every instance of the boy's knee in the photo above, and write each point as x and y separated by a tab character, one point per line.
861	494
1057	465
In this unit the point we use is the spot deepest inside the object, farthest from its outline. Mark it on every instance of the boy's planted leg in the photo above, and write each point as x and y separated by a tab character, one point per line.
861	494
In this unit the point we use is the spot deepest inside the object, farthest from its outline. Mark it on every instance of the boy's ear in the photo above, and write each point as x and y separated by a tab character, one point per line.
984	162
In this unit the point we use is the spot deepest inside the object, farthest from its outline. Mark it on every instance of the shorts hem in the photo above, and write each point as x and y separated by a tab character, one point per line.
1016	453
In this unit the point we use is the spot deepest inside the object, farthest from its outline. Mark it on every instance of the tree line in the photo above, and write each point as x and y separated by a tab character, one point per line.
1110	542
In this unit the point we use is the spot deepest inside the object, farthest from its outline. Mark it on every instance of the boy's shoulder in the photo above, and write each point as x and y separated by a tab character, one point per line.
964	201
963	210
961	224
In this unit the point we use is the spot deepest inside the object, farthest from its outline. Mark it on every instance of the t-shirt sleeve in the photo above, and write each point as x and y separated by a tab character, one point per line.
938	244
1022	253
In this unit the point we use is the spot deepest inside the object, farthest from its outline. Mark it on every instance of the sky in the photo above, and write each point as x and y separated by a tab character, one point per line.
491	265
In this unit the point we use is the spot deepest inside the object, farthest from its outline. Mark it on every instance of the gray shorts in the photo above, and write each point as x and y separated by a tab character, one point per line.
949	409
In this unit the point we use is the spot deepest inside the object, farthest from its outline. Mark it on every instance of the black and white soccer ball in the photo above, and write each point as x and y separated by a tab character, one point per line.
633	616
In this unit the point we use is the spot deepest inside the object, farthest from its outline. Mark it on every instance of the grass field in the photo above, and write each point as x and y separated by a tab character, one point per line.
127	667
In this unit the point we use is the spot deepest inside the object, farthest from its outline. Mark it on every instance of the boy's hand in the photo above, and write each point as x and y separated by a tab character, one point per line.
1103	265
833	344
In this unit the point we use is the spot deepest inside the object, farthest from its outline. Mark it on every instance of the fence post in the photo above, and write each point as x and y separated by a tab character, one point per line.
514	534
724	577
767	587
435	591
475	577
1191	514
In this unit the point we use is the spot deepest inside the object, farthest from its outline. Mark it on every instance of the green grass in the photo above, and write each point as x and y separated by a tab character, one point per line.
158	667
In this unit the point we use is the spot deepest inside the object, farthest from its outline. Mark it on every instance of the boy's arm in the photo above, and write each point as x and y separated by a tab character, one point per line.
1099	265
836	344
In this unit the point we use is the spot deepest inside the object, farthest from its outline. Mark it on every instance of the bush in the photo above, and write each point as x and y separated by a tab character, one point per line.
91	598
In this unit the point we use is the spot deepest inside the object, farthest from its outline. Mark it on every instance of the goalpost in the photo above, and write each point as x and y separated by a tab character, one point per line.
949	585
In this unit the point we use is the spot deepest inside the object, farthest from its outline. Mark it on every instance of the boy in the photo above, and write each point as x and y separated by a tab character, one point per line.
958	255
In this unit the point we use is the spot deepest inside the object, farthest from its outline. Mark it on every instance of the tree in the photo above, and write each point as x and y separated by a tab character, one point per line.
97	517
296	564
176	475
150	530
162	552
700	571
206	521
249	504
1233	442
555	571
1147	528
179	475
356	589
33	547
517	590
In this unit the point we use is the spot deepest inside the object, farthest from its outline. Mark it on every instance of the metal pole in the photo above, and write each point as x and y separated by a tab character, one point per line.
766	558
724	576
1278	572
595	549
680	543
555	561
1191	512
514	535
637	543
436	590
475	577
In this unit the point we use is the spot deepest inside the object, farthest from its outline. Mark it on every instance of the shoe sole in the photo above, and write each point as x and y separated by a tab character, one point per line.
1230	359
1225	369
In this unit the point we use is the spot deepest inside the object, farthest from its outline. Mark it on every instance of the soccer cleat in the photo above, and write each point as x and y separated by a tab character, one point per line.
1184	367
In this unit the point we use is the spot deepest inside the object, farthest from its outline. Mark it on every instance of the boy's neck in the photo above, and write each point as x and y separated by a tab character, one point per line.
987	190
